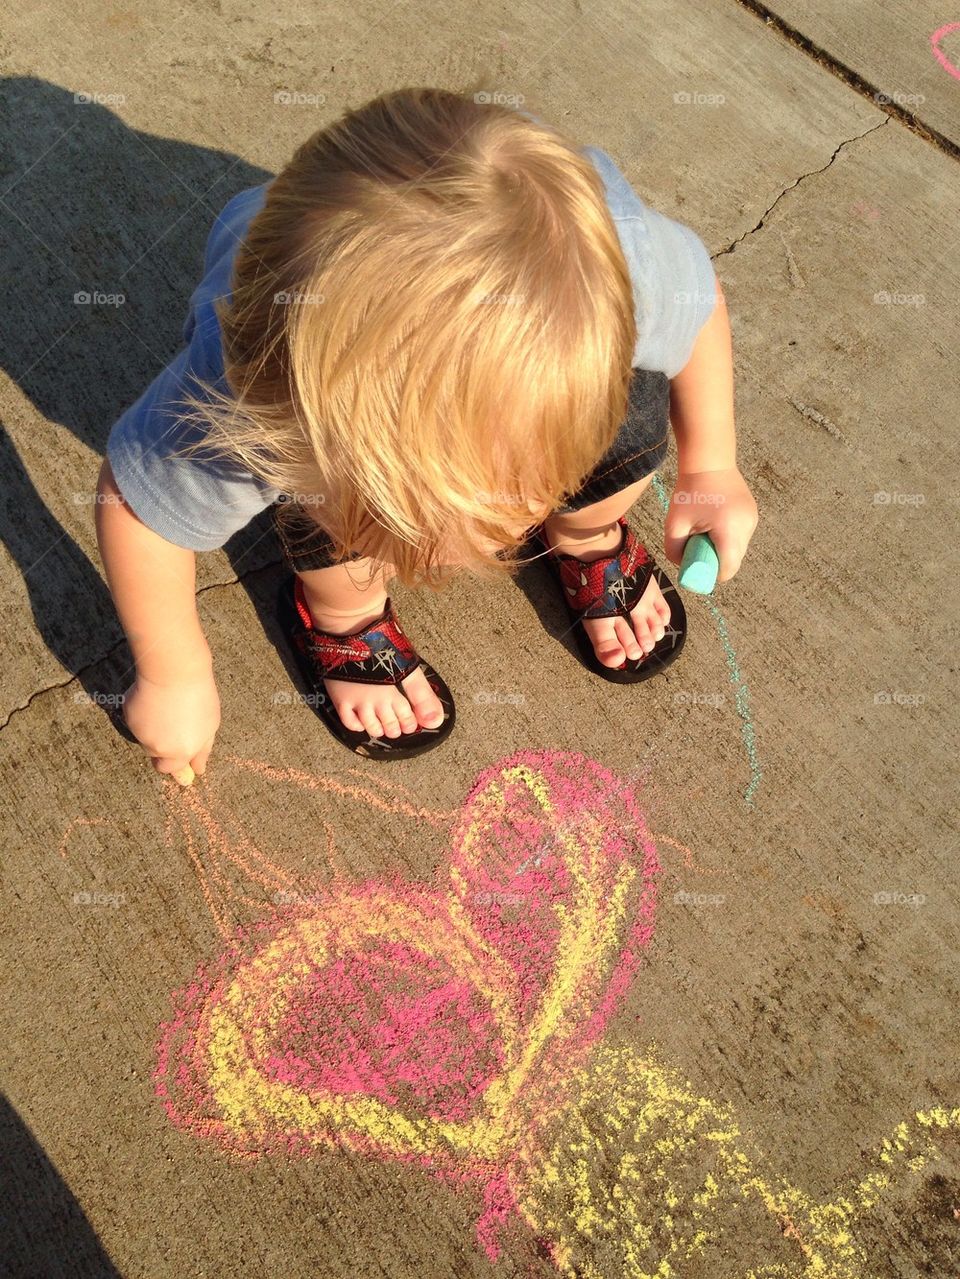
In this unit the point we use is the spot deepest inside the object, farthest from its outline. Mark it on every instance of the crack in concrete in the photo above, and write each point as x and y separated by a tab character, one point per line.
796	182
853	79
104	657
24	706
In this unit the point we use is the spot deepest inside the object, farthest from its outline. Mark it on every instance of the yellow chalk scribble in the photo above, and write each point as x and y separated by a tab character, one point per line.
642	1177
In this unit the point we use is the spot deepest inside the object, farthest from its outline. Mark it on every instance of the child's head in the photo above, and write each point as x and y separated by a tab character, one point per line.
430	331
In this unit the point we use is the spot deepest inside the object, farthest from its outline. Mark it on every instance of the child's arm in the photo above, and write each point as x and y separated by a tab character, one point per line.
711	496
173	708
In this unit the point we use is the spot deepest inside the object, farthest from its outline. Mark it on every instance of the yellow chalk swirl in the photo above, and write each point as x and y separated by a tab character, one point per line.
643	1178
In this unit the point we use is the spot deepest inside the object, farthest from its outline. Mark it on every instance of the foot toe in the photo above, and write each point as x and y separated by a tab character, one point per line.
633	639
426	705
370	721
391	725
350	719
405	714
606	642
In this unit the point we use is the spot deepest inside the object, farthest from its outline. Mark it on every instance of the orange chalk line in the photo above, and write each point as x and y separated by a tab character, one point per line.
201	874
229	895
241	852
436	817
334	860
688	862
269	876
212	877
266	874
384	783
215	907
82	821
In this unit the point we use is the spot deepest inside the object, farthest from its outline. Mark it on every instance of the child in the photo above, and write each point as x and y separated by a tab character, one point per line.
444	330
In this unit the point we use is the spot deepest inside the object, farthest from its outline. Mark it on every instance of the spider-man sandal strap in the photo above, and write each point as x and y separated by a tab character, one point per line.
608	587
611	587
381	653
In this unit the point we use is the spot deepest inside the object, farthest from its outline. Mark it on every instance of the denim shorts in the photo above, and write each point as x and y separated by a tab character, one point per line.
639	448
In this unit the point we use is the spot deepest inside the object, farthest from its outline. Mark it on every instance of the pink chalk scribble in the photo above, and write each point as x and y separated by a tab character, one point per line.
439	1022
938	53
865	210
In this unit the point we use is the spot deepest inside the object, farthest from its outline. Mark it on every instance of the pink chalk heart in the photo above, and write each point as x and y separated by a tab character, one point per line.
410	1032
938	53
437	1022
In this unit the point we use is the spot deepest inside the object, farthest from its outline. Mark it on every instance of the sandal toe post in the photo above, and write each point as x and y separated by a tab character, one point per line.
611	587
379	654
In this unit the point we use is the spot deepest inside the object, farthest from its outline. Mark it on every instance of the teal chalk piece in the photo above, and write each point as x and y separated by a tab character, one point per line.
700	565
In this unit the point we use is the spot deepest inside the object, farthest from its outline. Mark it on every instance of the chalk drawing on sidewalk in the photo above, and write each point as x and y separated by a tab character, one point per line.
80	823
741	694
939	54
642	1177
438	1022
459	1025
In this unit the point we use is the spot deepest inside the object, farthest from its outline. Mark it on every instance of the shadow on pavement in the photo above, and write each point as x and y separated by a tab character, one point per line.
43	1231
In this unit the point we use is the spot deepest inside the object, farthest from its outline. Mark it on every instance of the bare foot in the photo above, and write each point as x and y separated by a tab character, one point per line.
378	709
614	639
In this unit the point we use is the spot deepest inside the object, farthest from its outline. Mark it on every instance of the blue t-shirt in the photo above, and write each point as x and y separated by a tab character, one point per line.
198	503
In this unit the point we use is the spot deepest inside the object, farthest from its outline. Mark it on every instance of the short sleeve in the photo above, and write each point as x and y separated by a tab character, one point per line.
680	288
674	284
196	503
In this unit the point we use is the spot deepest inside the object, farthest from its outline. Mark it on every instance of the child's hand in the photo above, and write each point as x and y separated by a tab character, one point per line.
714	502
175	723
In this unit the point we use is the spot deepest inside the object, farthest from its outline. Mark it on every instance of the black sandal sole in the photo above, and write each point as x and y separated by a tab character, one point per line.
361	743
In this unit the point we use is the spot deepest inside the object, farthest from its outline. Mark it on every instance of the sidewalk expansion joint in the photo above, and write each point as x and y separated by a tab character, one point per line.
851	78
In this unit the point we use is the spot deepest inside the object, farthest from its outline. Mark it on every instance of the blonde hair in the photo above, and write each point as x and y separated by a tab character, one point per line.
430	333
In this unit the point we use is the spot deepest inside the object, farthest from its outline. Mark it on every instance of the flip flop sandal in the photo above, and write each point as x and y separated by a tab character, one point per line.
611	587
379	654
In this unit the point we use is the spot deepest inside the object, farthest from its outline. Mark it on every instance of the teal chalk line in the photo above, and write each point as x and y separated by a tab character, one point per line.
741	692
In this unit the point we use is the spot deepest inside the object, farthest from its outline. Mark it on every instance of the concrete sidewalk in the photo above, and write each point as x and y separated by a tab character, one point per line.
686	953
